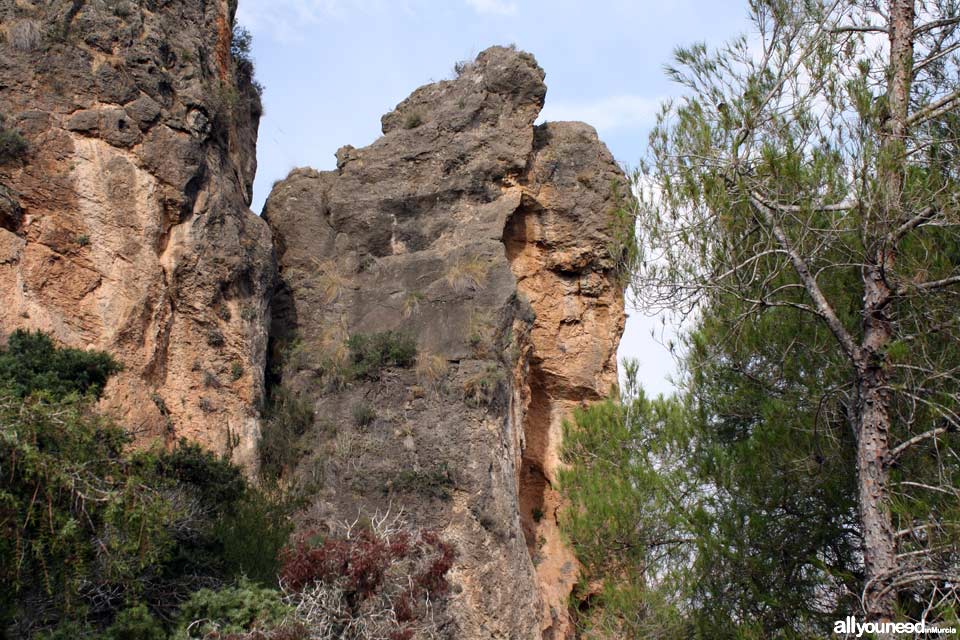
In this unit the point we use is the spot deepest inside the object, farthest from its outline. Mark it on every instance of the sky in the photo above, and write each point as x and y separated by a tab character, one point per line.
331	68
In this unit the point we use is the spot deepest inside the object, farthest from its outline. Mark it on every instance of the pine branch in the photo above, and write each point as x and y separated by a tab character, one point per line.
822	305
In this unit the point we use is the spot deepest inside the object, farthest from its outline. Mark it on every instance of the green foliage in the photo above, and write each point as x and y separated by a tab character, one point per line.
623	246
819	253
288	417
363	414
241	48
620	498
135	623
31	363
435	482
96	539
13	146
730	517
67	485
242	607
369	354
241	43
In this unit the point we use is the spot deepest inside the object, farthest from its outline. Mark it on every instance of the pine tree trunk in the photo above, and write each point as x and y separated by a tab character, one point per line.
873	396
879	549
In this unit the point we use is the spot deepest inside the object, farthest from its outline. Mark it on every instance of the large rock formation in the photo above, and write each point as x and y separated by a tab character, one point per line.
124	223
126	163
485	238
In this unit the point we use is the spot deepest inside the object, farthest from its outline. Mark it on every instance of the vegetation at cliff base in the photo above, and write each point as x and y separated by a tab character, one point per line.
104	540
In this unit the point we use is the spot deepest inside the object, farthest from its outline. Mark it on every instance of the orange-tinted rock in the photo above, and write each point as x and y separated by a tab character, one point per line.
125	224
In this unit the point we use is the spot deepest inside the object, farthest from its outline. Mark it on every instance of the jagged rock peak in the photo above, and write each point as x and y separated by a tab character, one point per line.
501	81
487	240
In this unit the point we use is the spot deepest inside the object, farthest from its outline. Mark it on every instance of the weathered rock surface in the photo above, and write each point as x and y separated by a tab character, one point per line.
125	224
486	238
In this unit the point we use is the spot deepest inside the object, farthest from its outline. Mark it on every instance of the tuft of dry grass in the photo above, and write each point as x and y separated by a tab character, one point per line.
24	35
411	303
482	388
467	274
431	369
332	282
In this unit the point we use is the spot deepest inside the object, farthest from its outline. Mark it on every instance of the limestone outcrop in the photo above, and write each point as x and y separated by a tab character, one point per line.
486	239
124	221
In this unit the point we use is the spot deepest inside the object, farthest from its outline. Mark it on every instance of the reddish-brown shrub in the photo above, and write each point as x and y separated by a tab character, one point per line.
389	575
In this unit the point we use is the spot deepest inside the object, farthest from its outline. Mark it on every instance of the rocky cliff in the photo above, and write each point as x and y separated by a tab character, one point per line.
130	132
486	240
466	235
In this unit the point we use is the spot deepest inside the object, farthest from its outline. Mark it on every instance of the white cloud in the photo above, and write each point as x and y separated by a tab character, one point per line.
287	20
496	7
607	114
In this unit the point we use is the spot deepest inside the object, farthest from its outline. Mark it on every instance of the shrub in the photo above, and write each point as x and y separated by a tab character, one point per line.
13	146
369	354
215	337
363	414
32	363
236	609
236	371
135	623
413	120
379	580
88	528
288	418
241	46
482	389
435	482
621	226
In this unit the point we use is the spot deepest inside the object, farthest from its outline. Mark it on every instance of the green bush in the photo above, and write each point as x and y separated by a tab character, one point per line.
369	354
135	623
236	609
13	146
32	363
95	537
288	418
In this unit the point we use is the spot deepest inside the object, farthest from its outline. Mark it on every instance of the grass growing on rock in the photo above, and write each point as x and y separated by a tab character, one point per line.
369	354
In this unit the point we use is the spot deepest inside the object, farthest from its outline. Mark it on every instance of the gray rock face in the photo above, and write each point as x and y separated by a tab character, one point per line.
124	226
485	239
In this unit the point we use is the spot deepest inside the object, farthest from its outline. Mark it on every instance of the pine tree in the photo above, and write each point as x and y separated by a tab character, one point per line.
811	178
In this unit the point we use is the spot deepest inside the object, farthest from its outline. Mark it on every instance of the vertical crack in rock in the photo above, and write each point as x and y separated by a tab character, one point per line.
557	247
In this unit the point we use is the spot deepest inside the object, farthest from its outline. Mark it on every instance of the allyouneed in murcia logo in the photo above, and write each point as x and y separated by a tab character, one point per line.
849	627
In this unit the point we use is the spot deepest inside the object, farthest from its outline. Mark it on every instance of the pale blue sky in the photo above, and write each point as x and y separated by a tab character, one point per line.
331	68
